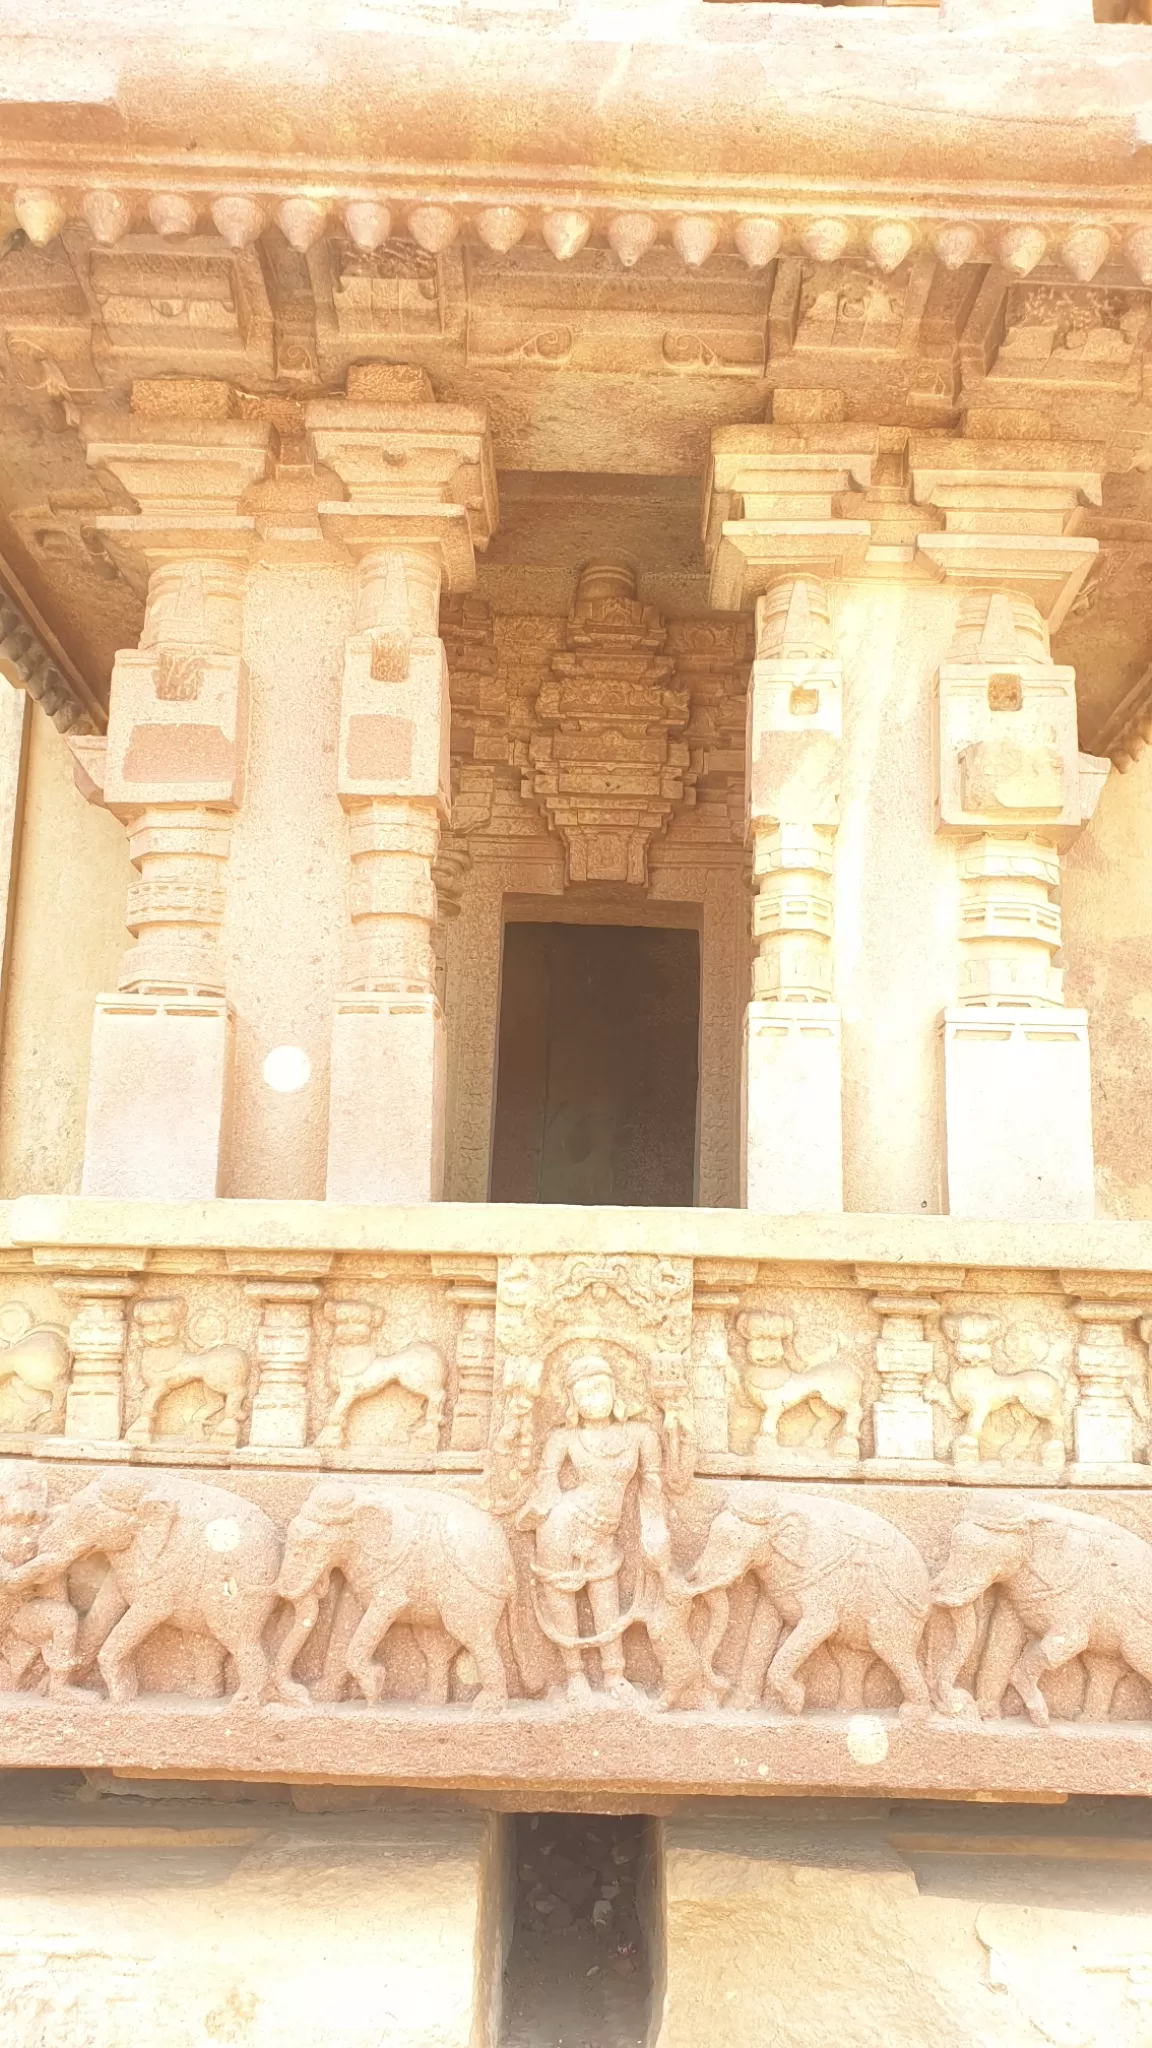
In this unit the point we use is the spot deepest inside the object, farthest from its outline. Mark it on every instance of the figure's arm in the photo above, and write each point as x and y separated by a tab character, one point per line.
654	1538
546	1492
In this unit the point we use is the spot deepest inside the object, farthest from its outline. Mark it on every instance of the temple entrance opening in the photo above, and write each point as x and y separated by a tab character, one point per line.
579	1972
598	1065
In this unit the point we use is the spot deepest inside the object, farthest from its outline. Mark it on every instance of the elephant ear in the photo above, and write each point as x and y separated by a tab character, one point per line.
155	1520
787	1535
375	1530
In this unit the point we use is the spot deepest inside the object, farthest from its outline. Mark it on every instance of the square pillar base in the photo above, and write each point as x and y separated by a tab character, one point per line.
791	1160
386	1106
1018	1114
157	1097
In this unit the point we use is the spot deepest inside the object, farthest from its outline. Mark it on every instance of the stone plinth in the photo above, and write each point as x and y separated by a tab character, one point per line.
1018	1113
792	1132
249	1924
157	1097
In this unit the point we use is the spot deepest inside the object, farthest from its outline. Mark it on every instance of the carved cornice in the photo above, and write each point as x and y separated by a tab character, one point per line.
26	663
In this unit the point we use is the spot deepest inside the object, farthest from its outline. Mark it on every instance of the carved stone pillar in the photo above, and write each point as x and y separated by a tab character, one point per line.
716	1289
421	495
1012	792
778	527
171	767
98	1340
1112	1379
284	1352
902	1414
472	1289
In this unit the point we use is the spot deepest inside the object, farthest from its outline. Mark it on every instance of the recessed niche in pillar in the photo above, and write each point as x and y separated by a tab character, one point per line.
598	1065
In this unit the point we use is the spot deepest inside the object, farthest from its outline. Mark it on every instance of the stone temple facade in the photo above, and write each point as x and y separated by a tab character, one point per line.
575	1128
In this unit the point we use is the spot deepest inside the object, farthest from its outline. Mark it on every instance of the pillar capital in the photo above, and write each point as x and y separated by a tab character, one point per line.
416	473
779	501
1011	512
186	456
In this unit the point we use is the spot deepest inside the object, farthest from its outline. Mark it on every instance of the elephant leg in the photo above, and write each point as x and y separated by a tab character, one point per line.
303	1623
759	1647
1045	1653
378	1618
816	1624
1104	1675
854	1668
1136	1647
242	1634
98	1623
895	1637
438	1651
58	1628
480	1642
334	1673
1006	1639
115	1660
207	1668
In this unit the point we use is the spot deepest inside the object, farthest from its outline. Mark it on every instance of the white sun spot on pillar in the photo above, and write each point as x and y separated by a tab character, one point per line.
287	1069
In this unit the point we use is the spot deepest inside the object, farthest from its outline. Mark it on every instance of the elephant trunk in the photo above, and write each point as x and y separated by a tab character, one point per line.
304	1620
959	1623
716	1605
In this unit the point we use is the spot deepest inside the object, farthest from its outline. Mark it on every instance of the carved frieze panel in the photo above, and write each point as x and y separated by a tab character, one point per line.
526	312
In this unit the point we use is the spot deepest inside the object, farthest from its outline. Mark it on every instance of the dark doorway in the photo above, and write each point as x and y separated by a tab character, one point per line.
579	1973
598	1065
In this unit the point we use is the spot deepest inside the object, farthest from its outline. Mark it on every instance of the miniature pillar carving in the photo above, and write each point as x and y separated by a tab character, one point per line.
284	1352
1112	1380
171	768
421	497
902	1415
1013	791
97	1339
716	1290
472	1289
778	527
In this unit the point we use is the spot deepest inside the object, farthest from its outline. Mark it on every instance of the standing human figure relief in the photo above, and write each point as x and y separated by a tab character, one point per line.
601	1450
1062	1585
824	1570
167	1366
39	1626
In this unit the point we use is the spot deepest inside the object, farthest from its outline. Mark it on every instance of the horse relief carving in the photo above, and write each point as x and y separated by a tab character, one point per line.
34	1367
221	1372
782	1376
1017	1374
360	1372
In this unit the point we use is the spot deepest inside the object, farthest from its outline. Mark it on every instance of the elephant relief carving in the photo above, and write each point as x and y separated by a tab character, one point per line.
1029	1586
825	1571
1033	1380
781	1376
193	1557
39	1625
360	1371
167	1367
34	1363
403	1554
